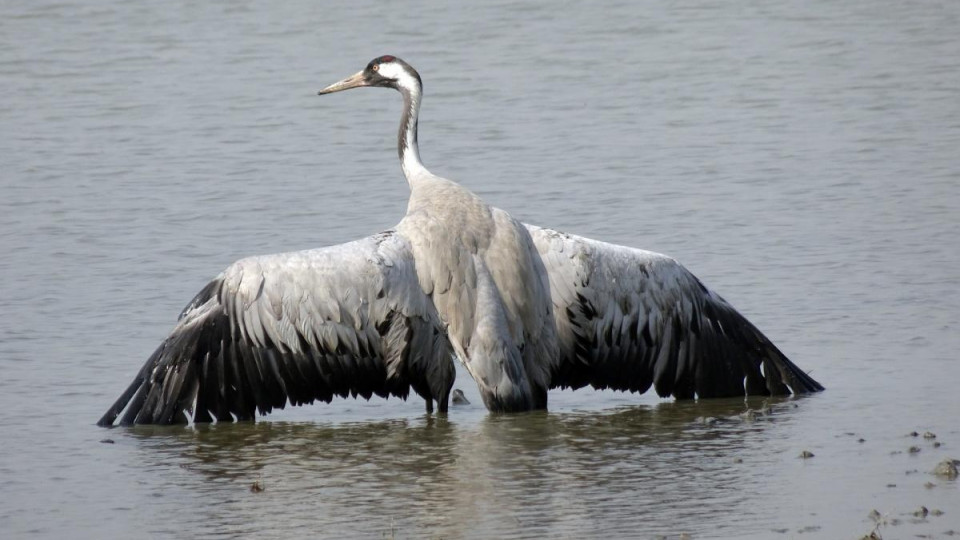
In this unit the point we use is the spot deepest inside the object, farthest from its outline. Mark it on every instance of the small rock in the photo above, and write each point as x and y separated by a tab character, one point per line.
891	485
913	434
947	468
458	398
929	435
258	486
861	441
914	450
921	512
107	441
936	444
806	454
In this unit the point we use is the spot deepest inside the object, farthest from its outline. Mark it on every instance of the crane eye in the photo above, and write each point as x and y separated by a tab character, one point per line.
376	67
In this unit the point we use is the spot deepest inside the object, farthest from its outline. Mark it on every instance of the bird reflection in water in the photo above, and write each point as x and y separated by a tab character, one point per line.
549	473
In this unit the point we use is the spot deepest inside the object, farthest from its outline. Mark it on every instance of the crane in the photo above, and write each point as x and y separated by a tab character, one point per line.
525	309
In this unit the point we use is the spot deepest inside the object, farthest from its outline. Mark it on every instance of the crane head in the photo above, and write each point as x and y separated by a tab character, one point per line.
384	71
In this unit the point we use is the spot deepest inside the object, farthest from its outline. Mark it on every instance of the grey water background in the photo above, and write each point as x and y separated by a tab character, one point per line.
803	159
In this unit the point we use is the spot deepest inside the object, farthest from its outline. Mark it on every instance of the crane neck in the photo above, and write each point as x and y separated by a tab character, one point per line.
407	138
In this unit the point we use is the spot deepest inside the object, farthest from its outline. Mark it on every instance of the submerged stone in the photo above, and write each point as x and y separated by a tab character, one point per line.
947	468
458	398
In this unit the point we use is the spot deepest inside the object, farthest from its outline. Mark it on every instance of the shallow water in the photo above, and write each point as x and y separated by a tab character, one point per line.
800	159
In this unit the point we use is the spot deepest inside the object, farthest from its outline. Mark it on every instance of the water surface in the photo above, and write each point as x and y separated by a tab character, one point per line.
800	159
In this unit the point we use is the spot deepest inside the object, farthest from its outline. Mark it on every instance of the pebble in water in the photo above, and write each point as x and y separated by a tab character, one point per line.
458	398
947	468
257	486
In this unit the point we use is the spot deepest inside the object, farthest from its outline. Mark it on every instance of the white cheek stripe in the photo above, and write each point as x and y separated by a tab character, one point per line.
390	71
403	78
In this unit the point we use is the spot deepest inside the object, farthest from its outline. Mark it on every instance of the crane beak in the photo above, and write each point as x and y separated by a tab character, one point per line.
354	81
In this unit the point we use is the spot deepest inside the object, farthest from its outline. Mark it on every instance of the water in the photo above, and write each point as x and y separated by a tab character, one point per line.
800	158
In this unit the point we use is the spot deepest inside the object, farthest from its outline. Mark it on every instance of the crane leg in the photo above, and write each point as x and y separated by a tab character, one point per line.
443	402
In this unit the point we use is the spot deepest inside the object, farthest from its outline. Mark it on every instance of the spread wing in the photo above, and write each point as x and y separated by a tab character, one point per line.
628	319
344	320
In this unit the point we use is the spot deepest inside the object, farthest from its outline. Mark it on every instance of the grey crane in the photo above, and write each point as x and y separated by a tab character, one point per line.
525	309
